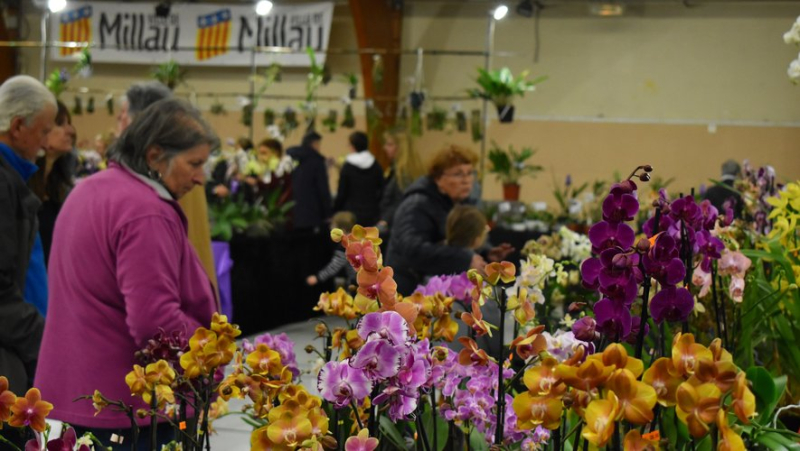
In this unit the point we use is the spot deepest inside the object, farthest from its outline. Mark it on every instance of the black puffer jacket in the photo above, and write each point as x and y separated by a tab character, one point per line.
21	325
360	188
417	247
310	190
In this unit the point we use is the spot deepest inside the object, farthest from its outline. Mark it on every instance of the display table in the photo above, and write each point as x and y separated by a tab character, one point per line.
268	287
500	235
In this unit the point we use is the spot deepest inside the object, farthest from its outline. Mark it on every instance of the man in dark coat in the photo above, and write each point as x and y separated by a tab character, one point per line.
724	195
27	113
360	183
310	188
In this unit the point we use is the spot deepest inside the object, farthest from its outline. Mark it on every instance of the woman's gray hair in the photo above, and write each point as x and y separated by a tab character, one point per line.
142	95
22	96
172	125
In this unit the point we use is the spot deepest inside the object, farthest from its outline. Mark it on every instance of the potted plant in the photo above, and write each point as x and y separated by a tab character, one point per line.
510	166
500	86
170	74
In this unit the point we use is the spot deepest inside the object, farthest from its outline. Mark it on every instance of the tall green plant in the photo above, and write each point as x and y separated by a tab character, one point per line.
511	165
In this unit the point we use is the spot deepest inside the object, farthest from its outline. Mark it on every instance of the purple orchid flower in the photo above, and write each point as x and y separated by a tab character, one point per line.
671	304
379	359
606	235
621	204
585	329
436	284
384	325
341	384
662	262
710	246
613	319
284	346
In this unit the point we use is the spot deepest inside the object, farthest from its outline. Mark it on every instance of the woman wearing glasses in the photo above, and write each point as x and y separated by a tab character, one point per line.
417	249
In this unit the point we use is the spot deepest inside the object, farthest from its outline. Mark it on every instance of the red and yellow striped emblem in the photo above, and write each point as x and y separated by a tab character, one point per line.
75	26
213	34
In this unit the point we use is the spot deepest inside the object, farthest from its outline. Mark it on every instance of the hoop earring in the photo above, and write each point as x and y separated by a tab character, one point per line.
154	175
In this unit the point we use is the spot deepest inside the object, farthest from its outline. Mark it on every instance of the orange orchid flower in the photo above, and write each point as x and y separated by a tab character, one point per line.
531	344
265	361
471	354
7	399
533	411
290	430
636	399
476	322
541	379
744	402
378	285
635	442
697	406
730	440
359	234
30	411
600	417
505	271
362	256
588	376
687	355
663	377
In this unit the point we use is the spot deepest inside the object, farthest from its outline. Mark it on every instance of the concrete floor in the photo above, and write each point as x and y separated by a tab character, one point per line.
232	433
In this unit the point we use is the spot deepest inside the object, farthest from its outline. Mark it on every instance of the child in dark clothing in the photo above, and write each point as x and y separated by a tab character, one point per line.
338	265
466	227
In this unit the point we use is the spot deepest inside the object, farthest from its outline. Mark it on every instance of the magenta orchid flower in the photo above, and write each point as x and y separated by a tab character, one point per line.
387	325
340	384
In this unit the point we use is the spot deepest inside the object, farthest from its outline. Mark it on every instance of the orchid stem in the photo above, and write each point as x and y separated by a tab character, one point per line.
355	412
720	332
520	373
154	421
501	393
422	434
433	415
7	442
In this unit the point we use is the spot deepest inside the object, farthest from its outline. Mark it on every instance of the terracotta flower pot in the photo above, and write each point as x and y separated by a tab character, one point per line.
505	113
511	191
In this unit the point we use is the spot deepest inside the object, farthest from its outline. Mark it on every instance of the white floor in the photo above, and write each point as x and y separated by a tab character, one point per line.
232	433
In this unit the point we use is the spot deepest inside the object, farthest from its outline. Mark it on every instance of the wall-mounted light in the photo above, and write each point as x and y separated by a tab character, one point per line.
606	9
500	12
263	7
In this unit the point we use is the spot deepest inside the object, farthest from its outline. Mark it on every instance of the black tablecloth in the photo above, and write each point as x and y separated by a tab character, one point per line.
499	235
268	278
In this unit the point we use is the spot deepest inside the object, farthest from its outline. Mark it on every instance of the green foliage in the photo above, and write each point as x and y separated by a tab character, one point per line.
170	74
437	118
391	433
500	86
510	165
768	391
230	217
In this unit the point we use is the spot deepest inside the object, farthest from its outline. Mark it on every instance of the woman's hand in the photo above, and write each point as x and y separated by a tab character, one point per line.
499	253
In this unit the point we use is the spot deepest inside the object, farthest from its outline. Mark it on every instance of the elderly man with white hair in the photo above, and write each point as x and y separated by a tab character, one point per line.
27	113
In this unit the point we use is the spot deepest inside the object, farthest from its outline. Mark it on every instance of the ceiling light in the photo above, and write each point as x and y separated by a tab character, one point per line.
607	9
56	5
500	12
263	7
525	8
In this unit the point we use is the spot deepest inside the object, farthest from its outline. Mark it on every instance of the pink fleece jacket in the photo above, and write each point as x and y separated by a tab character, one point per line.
121	267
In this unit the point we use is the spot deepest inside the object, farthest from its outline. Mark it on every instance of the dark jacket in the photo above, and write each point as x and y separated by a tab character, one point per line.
360	188
21	325
391	198
310	189
417	247
718	195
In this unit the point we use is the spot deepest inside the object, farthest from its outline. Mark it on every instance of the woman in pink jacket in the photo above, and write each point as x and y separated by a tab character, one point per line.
122	266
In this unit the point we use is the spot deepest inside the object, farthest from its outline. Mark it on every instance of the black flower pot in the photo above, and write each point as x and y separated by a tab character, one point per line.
505	113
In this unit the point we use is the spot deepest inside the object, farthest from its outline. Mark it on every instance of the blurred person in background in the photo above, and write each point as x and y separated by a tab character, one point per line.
405	167
360	182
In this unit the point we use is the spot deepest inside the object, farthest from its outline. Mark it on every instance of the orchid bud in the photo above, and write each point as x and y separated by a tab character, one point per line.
620	261
141	413
643	246
645	177
328	442
647	168
336	235
321	329
576	307
585	329
309	349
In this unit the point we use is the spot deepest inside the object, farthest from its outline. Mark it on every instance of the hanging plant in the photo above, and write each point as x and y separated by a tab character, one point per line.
289	121
247	115
272	75
416	122
476	125
330	121
352	82
269	117
77	109
461	121
90	105
373	116
402	118
170	74
316	77
377	72
83	66
57	81
217	108
501	87
310	119
437	118
349	120
110	104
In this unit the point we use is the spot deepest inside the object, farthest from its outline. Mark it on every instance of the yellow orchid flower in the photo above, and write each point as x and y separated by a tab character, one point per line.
616	356
635	442
505	271
533	411
265	361
686	354
664	379
600	417
137	381
220	325
744	402
636	399
588	376
697	406
541	379
159	373
445	328
731	441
